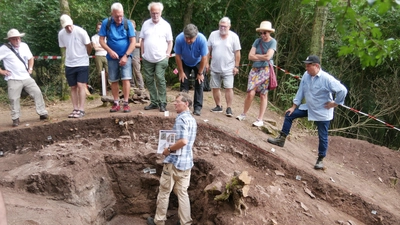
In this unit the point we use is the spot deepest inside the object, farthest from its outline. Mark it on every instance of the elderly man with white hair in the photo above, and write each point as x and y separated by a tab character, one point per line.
18	63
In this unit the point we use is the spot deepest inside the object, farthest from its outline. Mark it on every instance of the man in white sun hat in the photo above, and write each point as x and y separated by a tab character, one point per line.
18	66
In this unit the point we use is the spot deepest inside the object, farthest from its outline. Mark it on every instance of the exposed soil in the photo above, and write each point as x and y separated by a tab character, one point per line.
91	170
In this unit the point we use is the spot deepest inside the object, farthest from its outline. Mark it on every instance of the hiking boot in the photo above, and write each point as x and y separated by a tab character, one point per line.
163	107
279	141
44	117
229	112
241	117
126	108
258	123
319	165
115	108
151	106
150	221
15	122
217	109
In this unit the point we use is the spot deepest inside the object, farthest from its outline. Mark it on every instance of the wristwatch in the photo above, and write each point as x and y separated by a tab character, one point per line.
127	56
169	149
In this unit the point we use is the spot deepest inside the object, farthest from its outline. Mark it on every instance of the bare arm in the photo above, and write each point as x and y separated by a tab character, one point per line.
169	49
260	57
181	73
31	61
88	48
237	62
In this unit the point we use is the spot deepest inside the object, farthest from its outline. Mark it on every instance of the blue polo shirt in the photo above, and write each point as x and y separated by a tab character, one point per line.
191	54
117	36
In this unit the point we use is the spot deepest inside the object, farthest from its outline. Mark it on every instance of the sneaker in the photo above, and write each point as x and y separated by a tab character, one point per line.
217	109
15	122
115	108
241	117
196	112
258	123
126	108
229	112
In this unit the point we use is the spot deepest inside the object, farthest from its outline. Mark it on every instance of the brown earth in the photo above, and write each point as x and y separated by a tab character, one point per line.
91	170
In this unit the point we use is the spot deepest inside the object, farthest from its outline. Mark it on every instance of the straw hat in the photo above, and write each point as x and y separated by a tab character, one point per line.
14	33
265	25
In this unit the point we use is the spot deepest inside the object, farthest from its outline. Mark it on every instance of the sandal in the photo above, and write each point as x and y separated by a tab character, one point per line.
74	112
79	114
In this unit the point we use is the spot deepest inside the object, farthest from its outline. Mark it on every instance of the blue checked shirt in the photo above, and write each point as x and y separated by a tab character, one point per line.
318	91
186	128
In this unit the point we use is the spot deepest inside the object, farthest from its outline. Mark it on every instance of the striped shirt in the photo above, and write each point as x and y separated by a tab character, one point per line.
186	128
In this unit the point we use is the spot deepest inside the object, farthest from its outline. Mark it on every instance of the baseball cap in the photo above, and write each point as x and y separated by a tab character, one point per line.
312	59
65	20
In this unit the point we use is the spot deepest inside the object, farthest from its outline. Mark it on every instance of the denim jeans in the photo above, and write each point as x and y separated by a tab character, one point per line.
198	87
322	127
117	72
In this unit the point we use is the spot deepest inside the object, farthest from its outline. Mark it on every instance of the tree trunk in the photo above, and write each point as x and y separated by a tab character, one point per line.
318	33
64	9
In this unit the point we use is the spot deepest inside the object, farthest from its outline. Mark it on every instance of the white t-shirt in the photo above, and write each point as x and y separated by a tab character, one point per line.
12	63
155	37
75	44
96	40
223	52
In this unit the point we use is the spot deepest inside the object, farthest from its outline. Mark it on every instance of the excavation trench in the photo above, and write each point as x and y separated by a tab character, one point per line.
100	169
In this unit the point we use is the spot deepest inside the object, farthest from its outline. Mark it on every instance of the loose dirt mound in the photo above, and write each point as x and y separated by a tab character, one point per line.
92	171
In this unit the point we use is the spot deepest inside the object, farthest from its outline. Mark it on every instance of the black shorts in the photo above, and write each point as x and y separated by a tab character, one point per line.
77	74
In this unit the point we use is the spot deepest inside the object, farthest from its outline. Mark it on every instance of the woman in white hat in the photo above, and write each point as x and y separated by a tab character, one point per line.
261	54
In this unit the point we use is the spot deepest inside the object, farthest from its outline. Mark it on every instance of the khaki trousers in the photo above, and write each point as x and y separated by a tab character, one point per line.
14	95
178	181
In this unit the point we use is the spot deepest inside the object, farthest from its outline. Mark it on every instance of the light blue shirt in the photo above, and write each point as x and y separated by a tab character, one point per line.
317	91
186	128
191	54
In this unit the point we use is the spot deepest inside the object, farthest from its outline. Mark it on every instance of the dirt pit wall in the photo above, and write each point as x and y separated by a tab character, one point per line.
96	172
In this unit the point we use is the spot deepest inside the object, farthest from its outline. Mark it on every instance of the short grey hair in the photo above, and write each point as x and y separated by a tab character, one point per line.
185	98
225	20
190	31
117	6
159	4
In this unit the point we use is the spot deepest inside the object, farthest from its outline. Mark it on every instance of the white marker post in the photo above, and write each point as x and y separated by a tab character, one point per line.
103	83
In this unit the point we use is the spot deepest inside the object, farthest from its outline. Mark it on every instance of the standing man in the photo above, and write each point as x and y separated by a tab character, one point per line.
77	45
191	54
157	43
18	63
137	79
224	48
100	53
318	88
120	44
177	168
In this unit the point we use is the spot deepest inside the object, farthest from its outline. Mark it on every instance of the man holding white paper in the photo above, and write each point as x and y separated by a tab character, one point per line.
177	168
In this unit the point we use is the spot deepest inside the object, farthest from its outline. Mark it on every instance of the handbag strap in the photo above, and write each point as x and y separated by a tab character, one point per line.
19	57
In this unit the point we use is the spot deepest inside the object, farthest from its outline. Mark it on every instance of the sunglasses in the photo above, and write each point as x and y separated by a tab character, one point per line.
265	32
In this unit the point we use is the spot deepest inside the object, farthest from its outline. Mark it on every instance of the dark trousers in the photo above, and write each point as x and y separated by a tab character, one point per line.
322	127
198	87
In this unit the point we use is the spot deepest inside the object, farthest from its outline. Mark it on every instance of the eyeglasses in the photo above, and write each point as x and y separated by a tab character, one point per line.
265	32
223	27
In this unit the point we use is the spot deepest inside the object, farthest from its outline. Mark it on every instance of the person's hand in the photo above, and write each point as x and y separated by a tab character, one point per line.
166	152
182	76
329	105
5	72
123	60
207	68
235	71
200	78
290	111
113	55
